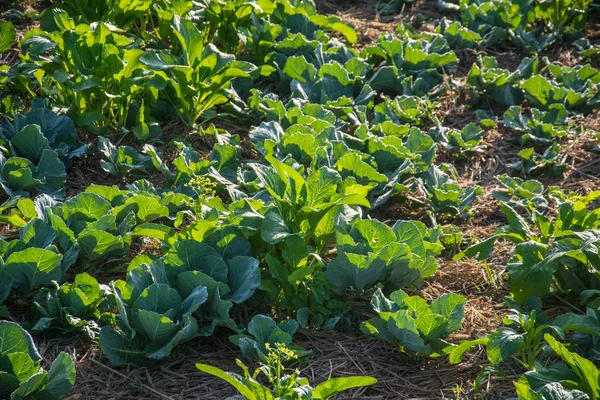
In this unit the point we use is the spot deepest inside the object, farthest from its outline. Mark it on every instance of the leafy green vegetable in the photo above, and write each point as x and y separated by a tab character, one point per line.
576	378
222	264
72	306
528	194
541	127
121	160
288	386
8	35
95	70
57	130
153	318
458	36
501	85
521	339
199	78
413	325
263	332
445	194
20	371
465	142
32	267
411	66
533	164
563	16
370	252
21	177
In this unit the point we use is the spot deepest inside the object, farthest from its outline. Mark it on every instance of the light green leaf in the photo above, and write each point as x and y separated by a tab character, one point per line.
8	35
33	267
334	386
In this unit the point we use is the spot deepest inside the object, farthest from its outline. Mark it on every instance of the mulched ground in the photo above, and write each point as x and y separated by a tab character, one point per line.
336	354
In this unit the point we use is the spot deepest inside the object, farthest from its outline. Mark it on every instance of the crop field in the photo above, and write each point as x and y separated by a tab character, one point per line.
300	199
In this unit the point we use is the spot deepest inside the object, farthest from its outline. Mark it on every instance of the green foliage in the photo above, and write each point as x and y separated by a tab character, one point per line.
577	378
370	253
20	177
153	318
8	35
265	334
223	265
281	223
26	269
196	80
542	127
563	16
577	88
534	164
500	84
78	306
332	83
283	386
413	325
444	193
411	65
522	339
131	15
465	142
300	224
530	194
557	255
458	36
530	25
20	372
122	160
95	70
239	26
57	130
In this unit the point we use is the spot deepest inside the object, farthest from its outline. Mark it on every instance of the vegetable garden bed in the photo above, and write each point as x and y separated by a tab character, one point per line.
389	200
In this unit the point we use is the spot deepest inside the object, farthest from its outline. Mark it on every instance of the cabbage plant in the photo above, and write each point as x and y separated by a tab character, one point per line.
22	377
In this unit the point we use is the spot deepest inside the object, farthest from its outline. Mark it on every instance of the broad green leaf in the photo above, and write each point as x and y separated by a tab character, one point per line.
188	281
585	370
457	352
405	331
148	208
61	376
334	386
262	327
233	380
354	270
294	251
298	68
190	39
158	328
321	186
188	255
188	330
97	245
19	364
30	143
6	283
159	298
8	35
273	228
503	344
33	267
33	384
13	339
117	348
243	277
